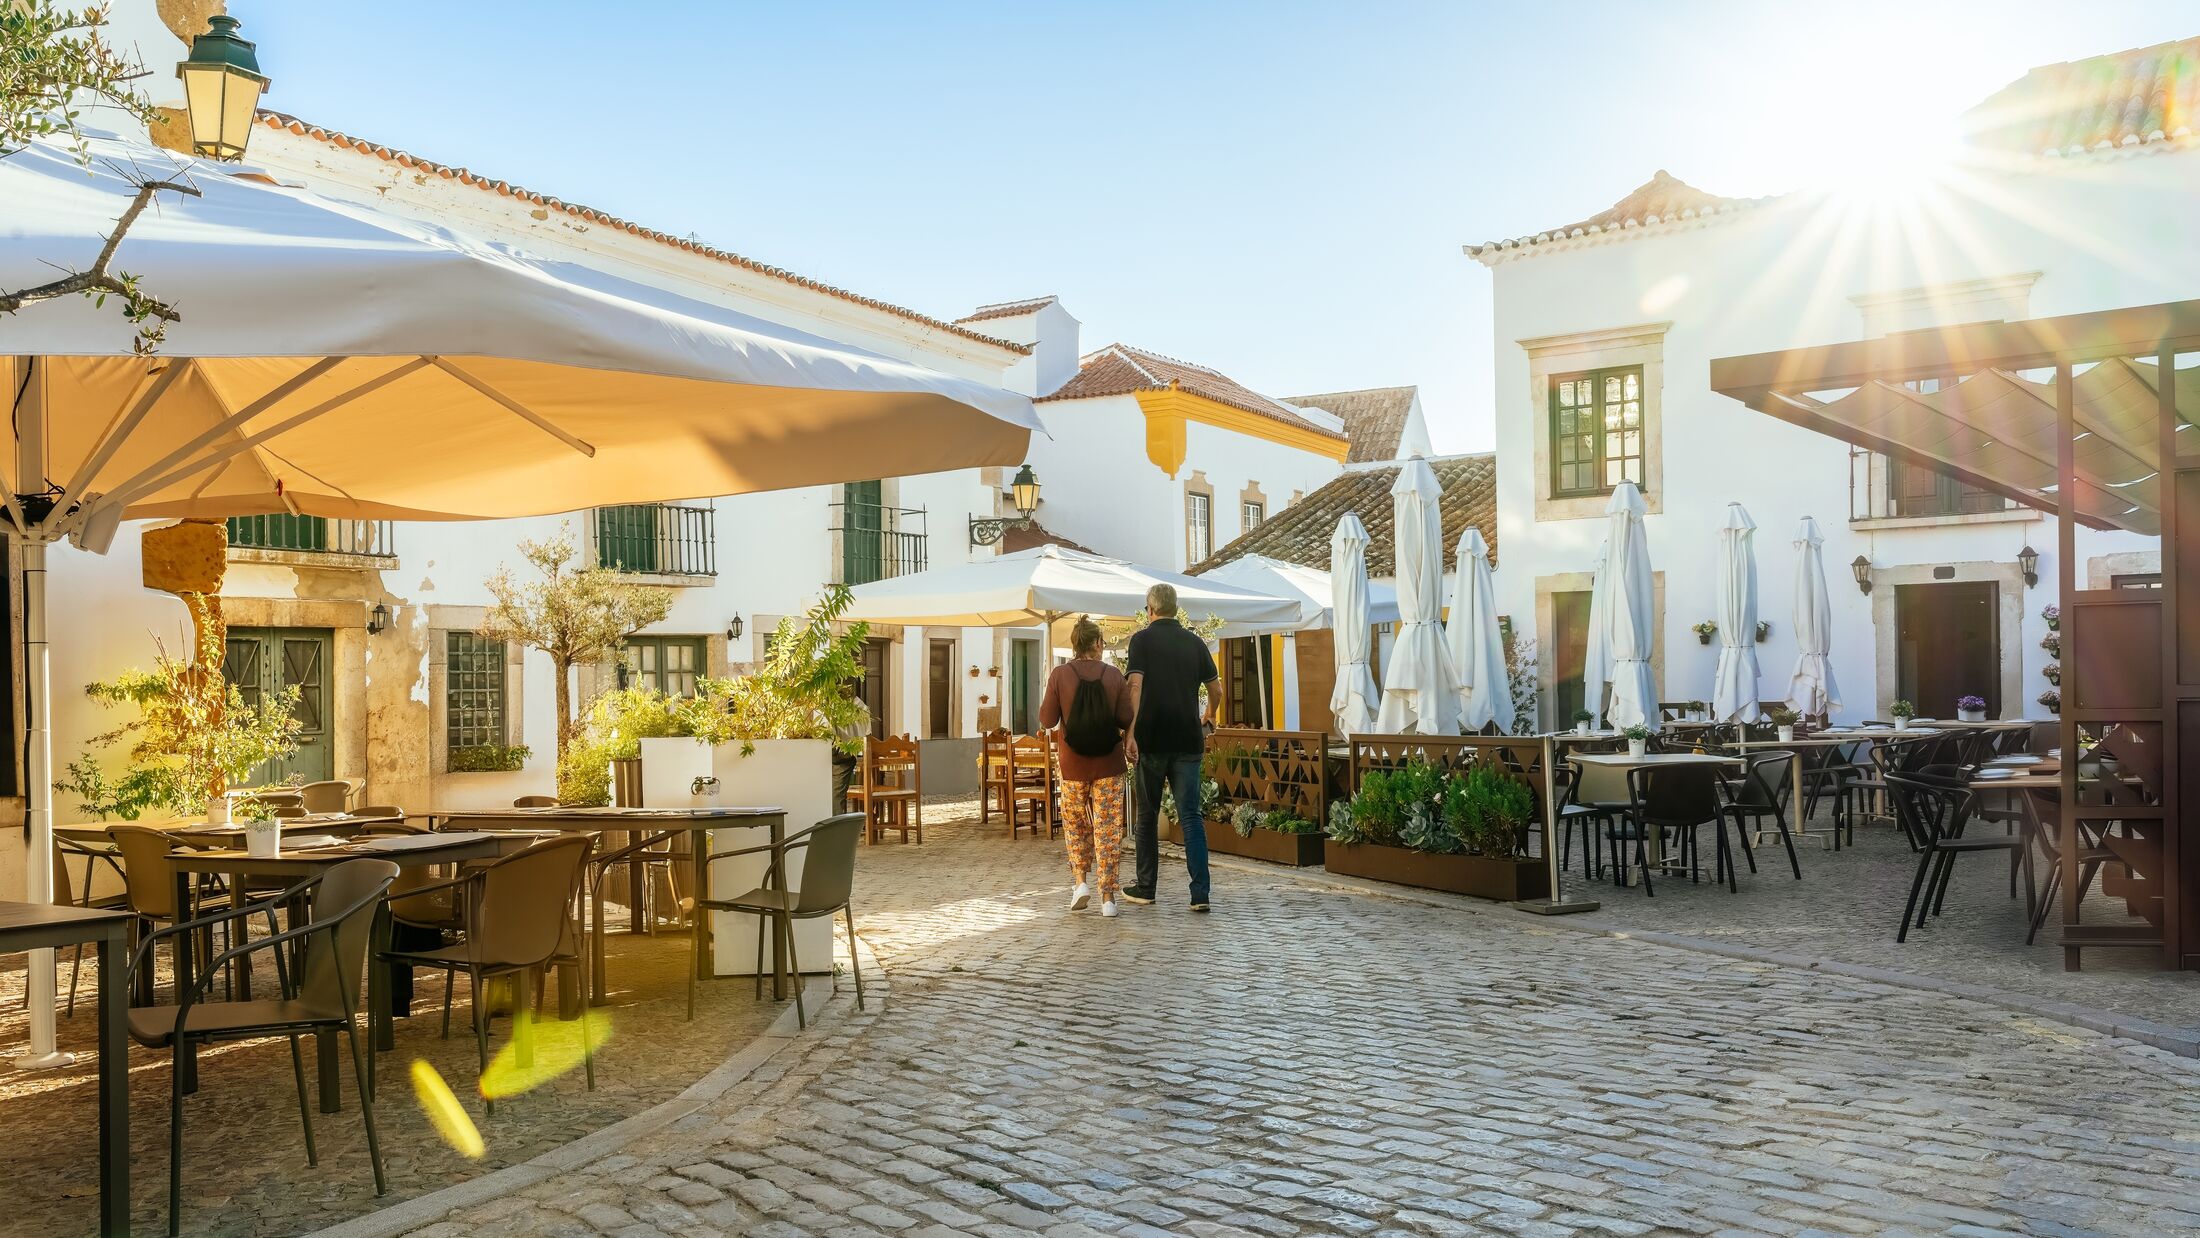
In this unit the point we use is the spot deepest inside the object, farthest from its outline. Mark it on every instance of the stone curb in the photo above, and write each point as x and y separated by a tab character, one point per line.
2184	1042
782	1035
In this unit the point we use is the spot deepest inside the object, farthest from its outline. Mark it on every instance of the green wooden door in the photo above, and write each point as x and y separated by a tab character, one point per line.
1023	713
862	533
264	661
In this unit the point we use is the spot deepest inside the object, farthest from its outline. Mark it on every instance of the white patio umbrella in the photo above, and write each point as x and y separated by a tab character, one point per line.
1352	702
334	360
1596	661
1811	691
1477	648
1633	611
1313	589
1420	690
1044	583
1734	689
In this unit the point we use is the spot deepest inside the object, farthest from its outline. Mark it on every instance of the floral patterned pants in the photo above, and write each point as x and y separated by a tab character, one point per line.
1092	823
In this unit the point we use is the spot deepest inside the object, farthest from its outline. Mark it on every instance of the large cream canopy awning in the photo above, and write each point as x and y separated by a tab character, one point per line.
1979	403
339	361
1046	582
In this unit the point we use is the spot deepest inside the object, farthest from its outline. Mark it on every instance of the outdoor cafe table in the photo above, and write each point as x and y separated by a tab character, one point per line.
1627	761
657	825
293	866
47	926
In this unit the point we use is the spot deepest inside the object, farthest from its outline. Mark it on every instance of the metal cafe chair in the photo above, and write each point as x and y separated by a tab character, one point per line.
825	889
1675	799
1760	792
518	913
333	943
1935	809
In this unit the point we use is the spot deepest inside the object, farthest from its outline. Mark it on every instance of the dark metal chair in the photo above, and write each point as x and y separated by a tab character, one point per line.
1934	809
1761	792
333	945
827	885
1674	799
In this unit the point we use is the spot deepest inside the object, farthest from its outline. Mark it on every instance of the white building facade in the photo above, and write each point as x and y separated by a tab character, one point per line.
1605	331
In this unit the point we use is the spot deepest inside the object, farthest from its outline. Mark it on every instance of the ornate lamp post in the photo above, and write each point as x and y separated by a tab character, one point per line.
221	87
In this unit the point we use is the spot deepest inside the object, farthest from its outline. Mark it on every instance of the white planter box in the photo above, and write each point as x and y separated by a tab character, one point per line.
794	774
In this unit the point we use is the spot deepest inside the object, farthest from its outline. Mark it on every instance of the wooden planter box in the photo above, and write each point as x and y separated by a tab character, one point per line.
1503	880
1295	850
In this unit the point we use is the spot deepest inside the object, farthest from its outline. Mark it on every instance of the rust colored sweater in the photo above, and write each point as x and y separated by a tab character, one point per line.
1054	710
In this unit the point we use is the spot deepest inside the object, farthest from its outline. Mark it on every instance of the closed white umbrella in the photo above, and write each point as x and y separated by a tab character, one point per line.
1812	692
1633	613
1477	648
1311	588
1734	690
1352	701
1046	582
1420	690
335	360
1596	661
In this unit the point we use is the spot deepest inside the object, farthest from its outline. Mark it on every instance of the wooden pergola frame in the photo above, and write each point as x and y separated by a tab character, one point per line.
2165	701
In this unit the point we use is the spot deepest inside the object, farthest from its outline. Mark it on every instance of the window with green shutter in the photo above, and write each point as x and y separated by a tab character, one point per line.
1596	431
667	664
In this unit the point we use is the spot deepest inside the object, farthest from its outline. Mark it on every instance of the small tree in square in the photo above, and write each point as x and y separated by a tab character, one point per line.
578	615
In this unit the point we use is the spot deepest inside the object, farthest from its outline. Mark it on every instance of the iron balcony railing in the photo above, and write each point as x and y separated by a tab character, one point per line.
314	534
878	542
1884	489
657	539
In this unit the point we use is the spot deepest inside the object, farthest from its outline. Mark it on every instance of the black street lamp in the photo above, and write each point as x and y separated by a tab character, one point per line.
378	620
221	87
1024	493
1862	569
735	628
2028	562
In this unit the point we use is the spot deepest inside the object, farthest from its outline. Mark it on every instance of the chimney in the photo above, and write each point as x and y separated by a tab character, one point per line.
1040	322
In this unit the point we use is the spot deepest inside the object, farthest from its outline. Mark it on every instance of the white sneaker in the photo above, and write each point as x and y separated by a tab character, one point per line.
1107	908
1080	897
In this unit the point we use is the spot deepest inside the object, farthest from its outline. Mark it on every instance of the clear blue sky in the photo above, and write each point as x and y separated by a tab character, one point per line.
1277	190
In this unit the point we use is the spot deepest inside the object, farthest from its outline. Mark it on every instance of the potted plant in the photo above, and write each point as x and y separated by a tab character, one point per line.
2052	643
2052	673
1784	720
1764	629
2052	698
1705	631
2053	615
1902	712
1971	708
1638	739
263	833
1418	827
1583	721
1700	710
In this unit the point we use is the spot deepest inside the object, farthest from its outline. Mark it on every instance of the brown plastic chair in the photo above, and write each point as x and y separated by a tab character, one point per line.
890	788
994	774
828	880
1031	761
536	801
518	912
333	943
65	891
333	795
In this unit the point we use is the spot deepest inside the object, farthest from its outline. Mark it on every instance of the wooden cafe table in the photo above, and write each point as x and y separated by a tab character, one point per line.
653	825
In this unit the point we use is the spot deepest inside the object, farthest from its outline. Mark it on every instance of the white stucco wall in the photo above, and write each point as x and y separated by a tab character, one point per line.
2101	232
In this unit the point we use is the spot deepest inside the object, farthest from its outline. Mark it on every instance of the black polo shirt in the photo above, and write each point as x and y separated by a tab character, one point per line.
1174	663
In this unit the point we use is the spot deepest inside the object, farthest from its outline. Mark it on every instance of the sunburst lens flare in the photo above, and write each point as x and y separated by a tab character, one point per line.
558	1050
445	1113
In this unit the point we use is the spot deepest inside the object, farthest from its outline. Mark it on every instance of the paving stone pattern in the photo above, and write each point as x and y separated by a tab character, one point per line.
1316	1061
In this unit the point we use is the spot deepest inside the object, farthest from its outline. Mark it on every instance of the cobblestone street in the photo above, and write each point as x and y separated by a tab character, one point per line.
1315	1061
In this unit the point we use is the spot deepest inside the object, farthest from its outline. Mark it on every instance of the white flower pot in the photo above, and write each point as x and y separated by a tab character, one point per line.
1787	735
1637	747
1902	724
217	811
263	839
1581	728
1971	715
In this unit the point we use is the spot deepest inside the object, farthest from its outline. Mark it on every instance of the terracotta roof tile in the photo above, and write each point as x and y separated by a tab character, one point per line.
1120	369
1009	309
1663	199
2128	98
1374	419
403	159
1300	533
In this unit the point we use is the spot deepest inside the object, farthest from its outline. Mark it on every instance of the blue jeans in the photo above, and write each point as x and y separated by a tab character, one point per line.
1181	772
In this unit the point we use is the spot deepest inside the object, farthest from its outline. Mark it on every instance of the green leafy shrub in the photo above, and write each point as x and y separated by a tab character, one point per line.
614	729
1495	808
1284	821
488	759
1377	811
1245	818
804	689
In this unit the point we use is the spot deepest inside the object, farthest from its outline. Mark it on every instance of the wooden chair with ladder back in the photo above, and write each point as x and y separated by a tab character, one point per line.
1031	802
994	774
889	789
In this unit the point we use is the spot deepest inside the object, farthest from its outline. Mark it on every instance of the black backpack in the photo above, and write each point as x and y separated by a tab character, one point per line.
1090	728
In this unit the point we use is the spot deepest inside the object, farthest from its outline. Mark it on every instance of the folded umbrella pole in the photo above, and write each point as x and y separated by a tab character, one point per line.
1734	685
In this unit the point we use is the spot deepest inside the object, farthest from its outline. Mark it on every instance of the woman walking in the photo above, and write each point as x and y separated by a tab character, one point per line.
1088	706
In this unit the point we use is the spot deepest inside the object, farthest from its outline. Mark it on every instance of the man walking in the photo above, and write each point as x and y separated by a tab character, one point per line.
1168	666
